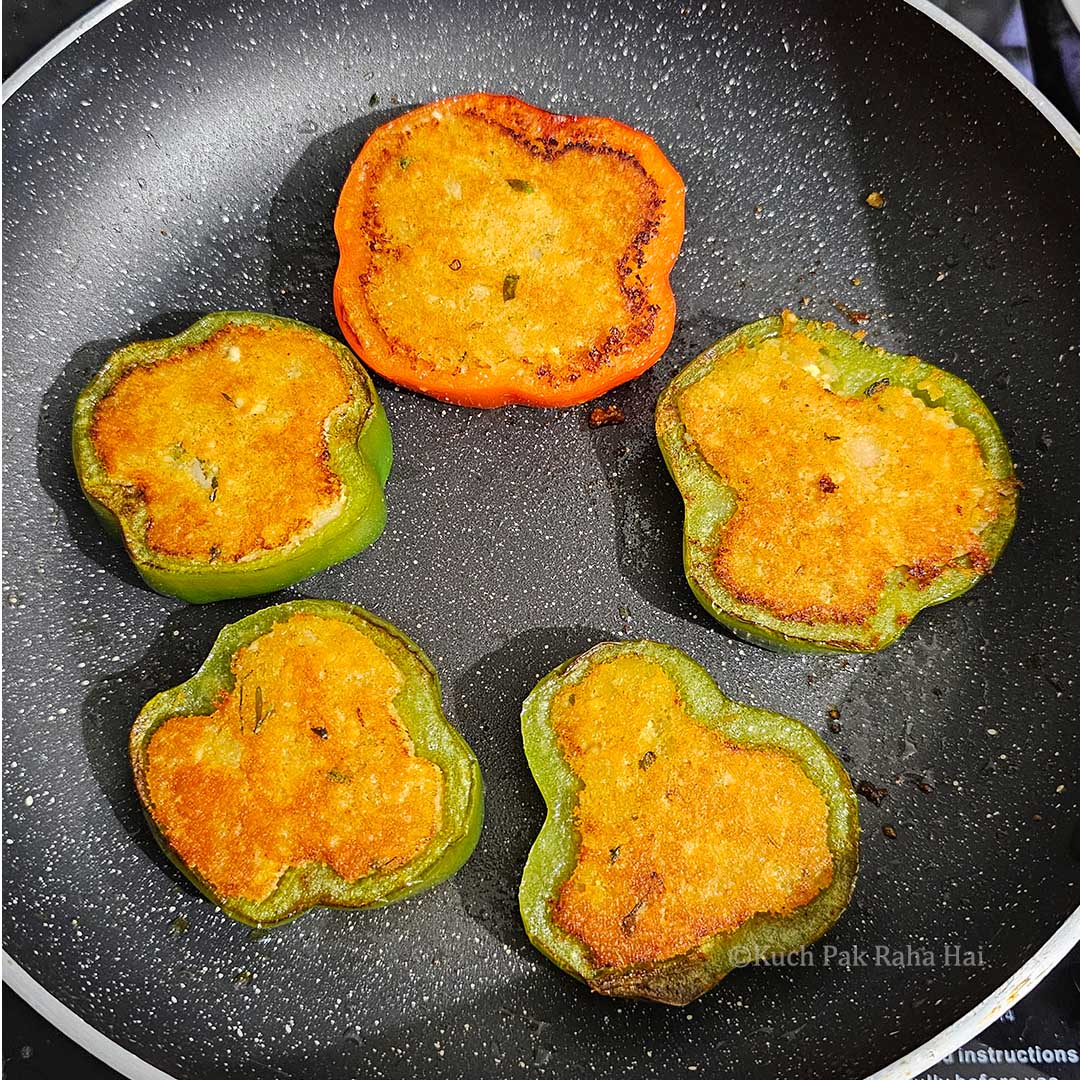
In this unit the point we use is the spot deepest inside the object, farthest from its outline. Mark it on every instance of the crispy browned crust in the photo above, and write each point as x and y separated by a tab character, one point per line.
683	834
304	761
493	252
557	356
833	492
225	441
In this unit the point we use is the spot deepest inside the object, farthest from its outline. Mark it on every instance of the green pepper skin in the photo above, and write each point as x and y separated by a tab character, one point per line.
678	980
419	703
360	455
709	504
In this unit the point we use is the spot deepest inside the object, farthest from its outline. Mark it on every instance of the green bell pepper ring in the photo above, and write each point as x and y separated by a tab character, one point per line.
710	504
359	454
679	979
417	703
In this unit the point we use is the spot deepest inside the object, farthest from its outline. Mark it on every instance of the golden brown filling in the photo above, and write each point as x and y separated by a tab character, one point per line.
489	253
304	760
833	492
225	441
683	835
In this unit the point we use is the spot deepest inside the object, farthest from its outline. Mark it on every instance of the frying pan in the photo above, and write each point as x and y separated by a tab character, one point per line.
178	159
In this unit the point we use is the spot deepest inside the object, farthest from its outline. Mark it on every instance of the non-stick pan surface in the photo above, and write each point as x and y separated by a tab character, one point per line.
184	158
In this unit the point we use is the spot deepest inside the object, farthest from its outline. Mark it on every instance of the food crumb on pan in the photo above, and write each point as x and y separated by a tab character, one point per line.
852	316
602	415
871	793
876	200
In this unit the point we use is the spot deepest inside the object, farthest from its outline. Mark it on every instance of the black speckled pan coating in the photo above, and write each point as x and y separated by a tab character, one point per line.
171	164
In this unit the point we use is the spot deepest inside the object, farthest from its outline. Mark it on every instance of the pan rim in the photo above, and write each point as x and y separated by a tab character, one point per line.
961	1031
1037	98
929	1053
47	52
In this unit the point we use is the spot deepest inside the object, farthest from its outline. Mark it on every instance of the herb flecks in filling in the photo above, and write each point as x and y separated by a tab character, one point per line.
834	491
683	834
304	760
458	235
225	441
